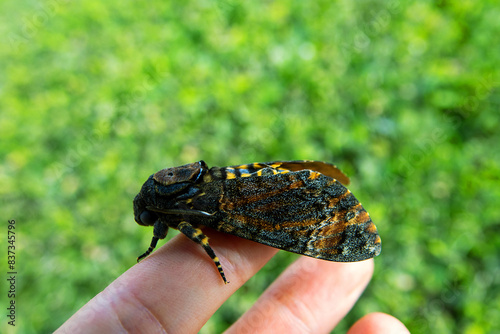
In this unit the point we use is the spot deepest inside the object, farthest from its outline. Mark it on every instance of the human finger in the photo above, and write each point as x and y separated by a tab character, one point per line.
378	323
176	289
311	296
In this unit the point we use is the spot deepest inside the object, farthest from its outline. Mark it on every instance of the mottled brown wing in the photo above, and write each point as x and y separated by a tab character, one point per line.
304	212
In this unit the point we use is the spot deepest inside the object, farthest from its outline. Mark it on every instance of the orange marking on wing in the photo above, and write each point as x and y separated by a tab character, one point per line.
332	229
371	228
314	175
360	218
330	242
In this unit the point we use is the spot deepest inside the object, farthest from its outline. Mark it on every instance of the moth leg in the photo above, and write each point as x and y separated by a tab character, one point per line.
197	236
154	241
160	231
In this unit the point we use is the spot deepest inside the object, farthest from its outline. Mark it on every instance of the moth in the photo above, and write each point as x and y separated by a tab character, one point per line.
298	206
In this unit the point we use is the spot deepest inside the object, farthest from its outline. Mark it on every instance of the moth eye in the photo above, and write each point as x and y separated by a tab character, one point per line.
147	218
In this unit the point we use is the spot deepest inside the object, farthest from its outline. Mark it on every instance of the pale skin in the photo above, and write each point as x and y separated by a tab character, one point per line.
177	289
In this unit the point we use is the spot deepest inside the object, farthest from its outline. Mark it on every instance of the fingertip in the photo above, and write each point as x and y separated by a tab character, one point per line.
378	322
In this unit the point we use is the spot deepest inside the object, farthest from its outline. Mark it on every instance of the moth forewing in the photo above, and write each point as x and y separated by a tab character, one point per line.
301	212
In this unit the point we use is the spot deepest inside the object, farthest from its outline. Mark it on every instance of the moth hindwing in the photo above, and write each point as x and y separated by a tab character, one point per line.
298	206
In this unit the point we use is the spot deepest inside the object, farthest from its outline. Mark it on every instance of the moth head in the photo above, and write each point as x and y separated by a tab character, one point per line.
161	189
145	198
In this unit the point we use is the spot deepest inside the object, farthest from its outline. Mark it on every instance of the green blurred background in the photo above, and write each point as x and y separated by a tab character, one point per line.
403	96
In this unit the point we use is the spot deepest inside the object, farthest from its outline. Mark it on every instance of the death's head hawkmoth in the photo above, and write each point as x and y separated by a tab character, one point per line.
298	206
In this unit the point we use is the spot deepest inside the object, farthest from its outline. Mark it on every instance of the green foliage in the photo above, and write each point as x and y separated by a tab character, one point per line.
96	96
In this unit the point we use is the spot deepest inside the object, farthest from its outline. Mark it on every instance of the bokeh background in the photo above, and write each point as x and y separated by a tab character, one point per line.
403	96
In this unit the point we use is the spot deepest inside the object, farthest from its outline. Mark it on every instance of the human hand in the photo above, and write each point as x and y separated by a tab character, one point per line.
177	289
